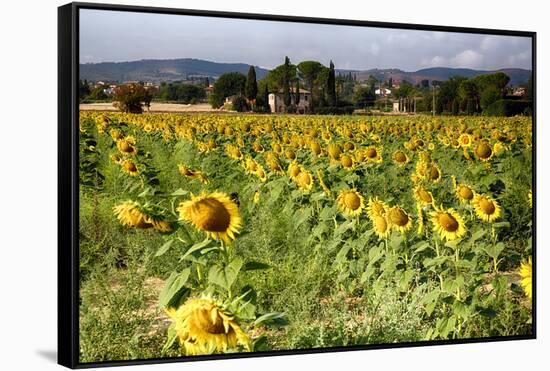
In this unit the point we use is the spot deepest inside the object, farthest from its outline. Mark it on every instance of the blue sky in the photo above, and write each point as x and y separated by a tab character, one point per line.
110	36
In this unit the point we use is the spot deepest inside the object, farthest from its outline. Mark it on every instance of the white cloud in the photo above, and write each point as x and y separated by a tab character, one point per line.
467	59
375	49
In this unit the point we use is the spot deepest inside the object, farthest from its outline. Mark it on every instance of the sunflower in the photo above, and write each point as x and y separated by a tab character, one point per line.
530	197
127	146
399	219
193	174
484	151
464	193
290	154
400	158
203	327
486	208
350	202
130	167
373	155
116	134
423	196
130	214
420	218
214	213
260	173
381	226
434	173
115	158
304	180
315	147
294	170
465	140
347	162
526	273
448	223
376	208
257	147
334	151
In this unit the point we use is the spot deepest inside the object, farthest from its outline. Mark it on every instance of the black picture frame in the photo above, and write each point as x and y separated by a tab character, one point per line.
68	187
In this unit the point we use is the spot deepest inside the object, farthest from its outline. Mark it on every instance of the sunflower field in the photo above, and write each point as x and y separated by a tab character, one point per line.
222	233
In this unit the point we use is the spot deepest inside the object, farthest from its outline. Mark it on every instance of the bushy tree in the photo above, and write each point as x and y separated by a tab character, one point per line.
131	98
231	83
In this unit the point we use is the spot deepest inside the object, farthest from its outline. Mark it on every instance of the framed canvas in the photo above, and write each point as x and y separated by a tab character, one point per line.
240	185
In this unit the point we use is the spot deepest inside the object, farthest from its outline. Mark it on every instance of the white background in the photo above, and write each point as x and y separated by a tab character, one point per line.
28	155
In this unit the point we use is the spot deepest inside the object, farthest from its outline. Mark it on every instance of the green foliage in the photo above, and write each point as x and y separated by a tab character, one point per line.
181	92
231	83
507	107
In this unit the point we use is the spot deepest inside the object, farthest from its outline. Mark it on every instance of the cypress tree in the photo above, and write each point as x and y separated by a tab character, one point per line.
331	86
286	83
251	86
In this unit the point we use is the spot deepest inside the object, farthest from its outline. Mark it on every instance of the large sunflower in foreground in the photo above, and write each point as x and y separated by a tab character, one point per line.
350	202
214	213
486	208
526	273
448	223
204	327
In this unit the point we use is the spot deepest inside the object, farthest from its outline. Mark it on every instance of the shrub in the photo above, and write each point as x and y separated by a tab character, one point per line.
131	98
240	104
507	107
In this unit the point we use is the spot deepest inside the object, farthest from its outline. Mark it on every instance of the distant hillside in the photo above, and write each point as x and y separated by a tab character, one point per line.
517	75
157	70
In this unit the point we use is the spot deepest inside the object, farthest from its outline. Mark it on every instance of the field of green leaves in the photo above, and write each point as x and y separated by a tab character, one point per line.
204	233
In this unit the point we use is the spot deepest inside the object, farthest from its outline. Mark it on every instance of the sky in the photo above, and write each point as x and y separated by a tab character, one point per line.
112	36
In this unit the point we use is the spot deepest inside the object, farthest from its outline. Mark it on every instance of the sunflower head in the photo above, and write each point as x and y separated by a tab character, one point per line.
448	224
373	154
526	274
381	226
130	214
304	180
400	158
130	167
423	196
350	202
486	208
484	151
376	208
399	219
346	161
294	169
465	140
464	192
214	213
203	327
